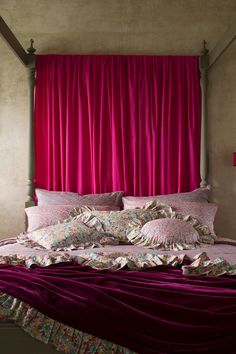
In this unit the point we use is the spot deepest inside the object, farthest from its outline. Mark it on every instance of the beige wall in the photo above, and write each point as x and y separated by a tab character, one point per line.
222	139
114	26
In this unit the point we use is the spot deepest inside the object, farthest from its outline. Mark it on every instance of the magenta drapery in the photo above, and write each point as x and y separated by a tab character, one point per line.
106	123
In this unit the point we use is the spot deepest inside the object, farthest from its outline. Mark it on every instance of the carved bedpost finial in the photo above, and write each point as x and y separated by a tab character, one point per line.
204	51
31	49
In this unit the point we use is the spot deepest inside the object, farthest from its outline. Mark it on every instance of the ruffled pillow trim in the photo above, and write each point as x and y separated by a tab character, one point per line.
136	237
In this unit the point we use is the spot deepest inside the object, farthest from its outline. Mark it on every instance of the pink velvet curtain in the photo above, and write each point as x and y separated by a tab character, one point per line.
106	123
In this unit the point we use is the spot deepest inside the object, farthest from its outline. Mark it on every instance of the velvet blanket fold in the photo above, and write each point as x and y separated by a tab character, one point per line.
156	310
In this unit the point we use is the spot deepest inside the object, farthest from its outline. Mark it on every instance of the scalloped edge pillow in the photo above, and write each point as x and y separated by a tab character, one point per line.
170	229
198	195
205	213
168	234
46	197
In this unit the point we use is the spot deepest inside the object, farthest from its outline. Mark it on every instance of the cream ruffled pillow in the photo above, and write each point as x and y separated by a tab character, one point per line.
120	223
66	236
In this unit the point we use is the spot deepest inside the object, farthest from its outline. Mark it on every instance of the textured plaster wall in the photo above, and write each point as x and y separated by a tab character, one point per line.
222	139
13	142
118	27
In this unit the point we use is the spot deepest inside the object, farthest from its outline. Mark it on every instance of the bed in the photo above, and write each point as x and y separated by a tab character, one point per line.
21	313
82	298
119	298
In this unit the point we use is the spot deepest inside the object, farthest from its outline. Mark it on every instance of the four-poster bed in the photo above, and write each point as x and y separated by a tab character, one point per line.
28	60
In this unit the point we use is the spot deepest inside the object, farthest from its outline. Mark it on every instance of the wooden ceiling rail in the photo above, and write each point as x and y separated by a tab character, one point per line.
225	41
13	42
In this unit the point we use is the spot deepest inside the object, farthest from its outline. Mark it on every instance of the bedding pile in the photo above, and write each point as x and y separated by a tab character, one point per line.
148	310
91	278
94	225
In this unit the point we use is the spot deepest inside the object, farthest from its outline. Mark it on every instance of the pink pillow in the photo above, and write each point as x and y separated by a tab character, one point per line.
166	234
198	195
42	216
45	197
204	212
114	198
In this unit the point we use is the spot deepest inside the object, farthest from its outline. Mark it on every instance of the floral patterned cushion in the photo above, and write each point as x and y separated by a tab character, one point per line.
45	197
198	195
46	215
67	236
118	223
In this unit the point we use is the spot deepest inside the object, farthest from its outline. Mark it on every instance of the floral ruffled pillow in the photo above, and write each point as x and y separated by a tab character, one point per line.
46	215
120	223
173	232
66	236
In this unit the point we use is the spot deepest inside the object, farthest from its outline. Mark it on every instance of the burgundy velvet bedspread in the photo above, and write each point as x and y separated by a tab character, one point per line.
149	311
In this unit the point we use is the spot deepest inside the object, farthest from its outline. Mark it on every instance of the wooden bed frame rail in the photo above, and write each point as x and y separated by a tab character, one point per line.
31	160
203	66
28	59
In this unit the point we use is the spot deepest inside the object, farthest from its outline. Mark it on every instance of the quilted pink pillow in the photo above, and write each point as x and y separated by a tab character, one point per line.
45	197
198	195
166	234
42	216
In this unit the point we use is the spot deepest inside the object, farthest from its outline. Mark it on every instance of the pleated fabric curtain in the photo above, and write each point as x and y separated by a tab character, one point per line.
105	123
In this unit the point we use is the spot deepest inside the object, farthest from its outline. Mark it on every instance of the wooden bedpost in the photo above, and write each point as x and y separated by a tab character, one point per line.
31	166
203	66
